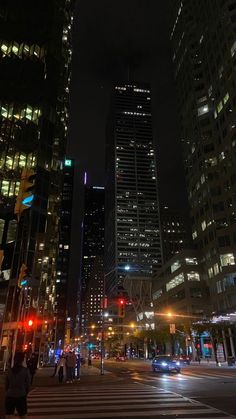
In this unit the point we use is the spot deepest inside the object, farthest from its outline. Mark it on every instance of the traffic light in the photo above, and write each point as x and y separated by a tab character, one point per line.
121	307
30	324
25	196
90	345
23	276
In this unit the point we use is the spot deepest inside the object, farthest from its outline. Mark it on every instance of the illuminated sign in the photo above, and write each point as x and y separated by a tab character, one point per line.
68	162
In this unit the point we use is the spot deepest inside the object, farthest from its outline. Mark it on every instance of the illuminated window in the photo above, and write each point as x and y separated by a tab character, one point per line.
193	276
216	268
219	107
177	280
227	259
5	187
22	160
226	98
191	261
176	265
202	110
203	224
194	235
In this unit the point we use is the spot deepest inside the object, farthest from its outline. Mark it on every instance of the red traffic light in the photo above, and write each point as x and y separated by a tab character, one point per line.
121	301
30	322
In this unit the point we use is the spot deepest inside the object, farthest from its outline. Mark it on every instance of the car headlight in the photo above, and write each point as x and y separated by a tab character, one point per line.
177	363
164	364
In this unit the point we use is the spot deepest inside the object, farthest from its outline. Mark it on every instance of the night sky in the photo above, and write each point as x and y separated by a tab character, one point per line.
108	36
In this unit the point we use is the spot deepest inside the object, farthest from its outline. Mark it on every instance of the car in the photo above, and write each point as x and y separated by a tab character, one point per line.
183	359
120	358
96	356
165	363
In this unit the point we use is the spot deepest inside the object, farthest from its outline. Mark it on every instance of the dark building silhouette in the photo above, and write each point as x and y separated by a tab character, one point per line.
35	66
132	208
92	256
64	306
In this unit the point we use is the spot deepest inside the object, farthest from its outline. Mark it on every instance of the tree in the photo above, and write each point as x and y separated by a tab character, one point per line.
215	333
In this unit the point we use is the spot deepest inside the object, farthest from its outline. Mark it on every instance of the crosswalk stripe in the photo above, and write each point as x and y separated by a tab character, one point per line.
134	415
209	376
186	376
134	400
97	402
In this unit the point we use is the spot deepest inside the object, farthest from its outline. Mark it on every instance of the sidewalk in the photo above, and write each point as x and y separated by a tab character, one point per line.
90	375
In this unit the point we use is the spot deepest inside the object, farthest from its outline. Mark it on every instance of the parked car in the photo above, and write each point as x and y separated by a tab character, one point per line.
120	358
183	359
165	363
96	356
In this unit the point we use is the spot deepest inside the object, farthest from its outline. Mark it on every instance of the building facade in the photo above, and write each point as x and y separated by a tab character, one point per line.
203	36
176	232
92	257
180	288
35	69
132	206
64	321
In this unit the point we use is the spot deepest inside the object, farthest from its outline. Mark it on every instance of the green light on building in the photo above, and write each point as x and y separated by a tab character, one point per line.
68	162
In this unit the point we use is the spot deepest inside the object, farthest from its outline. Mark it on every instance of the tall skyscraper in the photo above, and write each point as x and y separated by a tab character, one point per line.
92	256
132	234
204	53
35	50
65	322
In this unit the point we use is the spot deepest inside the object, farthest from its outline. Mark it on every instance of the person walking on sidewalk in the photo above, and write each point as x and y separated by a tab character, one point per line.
17	388
78	364
70	366
61	368
32	363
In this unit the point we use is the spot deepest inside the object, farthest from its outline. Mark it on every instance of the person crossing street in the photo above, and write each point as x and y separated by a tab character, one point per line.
71	361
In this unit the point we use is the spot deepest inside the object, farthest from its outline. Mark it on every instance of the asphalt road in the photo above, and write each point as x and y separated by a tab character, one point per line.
142	391
209	384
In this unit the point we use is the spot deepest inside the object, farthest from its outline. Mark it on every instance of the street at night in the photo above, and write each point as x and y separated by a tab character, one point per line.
131	389
118	209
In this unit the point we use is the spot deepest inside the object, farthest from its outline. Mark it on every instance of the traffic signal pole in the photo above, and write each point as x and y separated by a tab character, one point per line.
102	342
15	335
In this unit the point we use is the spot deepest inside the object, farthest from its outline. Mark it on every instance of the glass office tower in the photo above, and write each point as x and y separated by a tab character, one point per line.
203	35
35	67
132	232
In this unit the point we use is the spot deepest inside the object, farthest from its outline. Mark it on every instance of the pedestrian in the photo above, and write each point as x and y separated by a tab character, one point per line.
17	388
55	368
70	366
61	368
78	363
198	359
32	364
